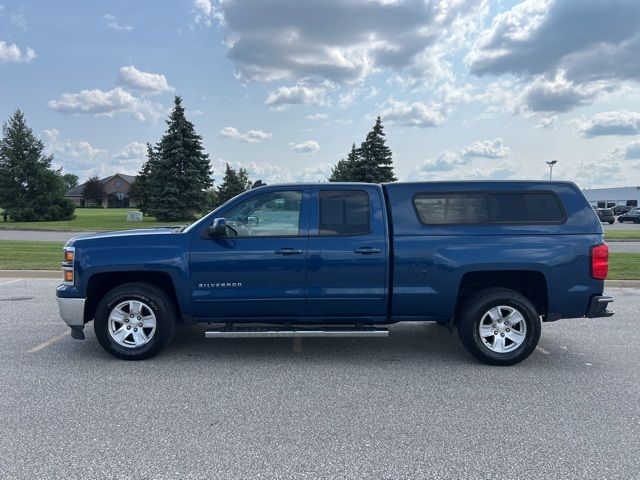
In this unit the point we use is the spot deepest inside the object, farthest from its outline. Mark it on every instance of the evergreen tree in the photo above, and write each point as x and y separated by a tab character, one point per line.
140	190
233	183
180	175
342	172
374	164
29	189
93	190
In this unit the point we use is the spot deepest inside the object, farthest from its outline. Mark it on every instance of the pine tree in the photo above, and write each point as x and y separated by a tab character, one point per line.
30	190
342	172
181	173
233	183
140	189
375	164
93	190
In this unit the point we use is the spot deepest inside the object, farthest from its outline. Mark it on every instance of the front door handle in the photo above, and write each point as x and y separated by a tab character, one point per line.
288	251
366	250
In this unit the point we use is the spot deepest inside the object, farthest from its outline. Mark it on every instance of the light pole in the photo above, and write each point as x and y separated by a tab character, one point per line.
551	164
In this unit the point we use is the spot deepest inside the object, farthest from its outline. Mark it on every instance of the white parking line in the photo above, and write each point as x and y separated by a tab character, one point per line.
37	348
10	281
542	350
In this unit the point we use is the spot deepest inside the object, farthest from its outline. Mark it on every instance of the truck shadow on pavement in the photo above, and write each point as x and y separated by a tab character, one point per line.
428	341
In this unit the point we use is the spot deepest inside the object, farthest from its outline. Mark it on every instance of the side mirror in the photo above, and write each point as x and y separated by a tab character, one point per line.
253	221
218	228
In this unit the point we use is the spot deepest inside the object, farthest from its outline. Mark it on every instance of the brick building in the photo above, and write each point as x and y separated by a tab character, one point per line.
116	193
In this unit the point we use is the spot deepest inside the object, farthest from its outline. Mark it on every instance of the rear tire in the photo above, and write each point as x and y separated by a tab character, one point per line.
499	326
611	222
135	321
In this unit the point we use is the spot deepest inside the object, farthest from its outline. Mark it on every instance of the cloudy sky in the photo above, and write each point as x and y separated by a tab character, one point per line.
466	89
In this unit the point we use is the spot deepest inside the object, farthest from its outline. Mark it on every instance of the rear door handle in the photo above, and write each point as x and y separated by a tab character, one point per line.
288	251
367	250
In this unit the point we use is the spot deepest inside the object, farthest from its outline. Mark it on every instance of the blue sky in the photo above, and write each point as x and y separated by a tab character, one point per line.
466	89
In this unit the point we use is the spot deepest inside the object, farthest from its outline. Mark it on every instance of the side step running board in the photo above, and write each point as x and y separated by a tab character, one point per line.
239	332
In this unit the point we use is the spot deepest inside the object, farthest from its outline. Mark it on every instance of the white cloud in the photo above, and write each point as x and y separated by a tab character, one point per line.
250	136
271	173
443	172
114	25
559	95
619	122
570	52
342	41
604	172
147	82
100	102
547	122
417	114
542	36
628	151
308	147
486	149
10	52
317	116
205	12
449	160
296	95
132	151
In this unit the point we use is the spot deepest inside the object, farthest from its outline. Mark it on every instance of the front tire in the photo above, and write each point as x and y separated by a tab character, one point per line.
611	222
499	326
135	321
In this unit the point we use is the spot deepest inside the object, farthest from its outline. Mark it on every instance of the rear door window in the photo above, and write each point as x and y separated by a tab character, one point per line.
344	212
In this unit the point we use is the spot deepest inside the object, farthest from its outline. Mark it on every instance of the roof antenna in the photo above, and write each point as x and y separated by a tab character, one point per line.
258	183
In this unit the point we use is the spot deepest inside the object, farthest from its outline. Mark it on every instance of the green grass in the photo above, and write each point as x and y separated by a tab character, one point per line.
624	266
92	220
622	234
17	255
20	255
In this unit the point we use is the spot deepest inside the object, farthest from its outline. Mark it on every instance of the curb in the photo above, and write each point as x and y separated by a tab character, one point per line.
622	283
31	274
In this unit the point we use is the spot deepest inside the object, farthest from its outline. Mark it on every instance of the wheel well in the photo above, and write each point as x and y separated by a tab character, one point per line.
101	283
531	284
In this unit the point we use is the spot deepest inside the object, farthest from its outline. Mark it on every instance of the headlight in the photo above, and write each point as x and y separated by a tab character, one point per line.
69	254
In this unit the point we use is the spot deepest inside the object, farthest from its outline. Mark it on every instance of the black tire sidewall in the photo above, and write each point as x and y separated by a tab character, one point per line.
475	310
156	300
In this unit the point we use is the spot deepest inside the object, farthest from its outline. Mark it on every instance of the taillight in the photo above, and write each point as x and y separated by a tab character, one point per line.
600	261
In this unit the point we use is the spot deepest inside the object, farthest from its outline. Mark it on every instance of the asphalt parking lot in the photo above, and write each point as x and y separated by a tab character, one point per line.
414	405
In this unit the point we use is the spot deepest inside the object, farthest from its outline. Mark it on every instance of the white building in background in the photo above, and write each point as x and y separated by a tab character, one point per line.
611	197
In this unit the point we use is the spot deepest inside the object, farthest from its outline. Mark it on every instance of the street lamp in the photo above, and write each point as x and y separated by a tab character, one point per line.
551	164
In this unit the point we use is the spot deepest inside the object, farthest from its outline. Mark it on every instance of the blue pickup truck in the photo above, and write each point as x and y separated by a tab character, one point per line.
492	259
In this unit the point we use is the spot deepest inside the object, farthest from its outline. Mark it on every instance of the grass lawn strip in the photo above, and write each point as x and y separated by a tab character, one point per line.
93	220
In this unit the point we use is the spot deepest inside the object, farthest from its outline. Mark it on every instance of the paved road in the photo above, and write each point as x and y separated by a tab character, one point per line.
631	247
30	235
415	405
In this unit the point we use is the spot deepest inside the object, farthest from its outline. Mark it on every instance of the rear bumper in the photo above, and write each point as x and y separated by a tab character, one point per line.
598	307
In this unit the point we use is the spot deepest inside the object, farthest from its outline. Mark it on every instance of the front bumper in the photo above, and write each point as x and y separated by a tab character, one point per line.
72	311
598	307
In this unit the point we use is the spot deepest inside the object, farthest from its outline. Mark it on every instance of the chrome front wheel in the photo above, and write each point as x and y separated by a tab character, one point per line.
132	324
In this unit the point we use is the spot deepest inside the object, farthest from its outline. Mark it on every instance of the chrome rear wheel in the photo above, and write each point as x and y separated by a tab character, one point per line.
502	329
